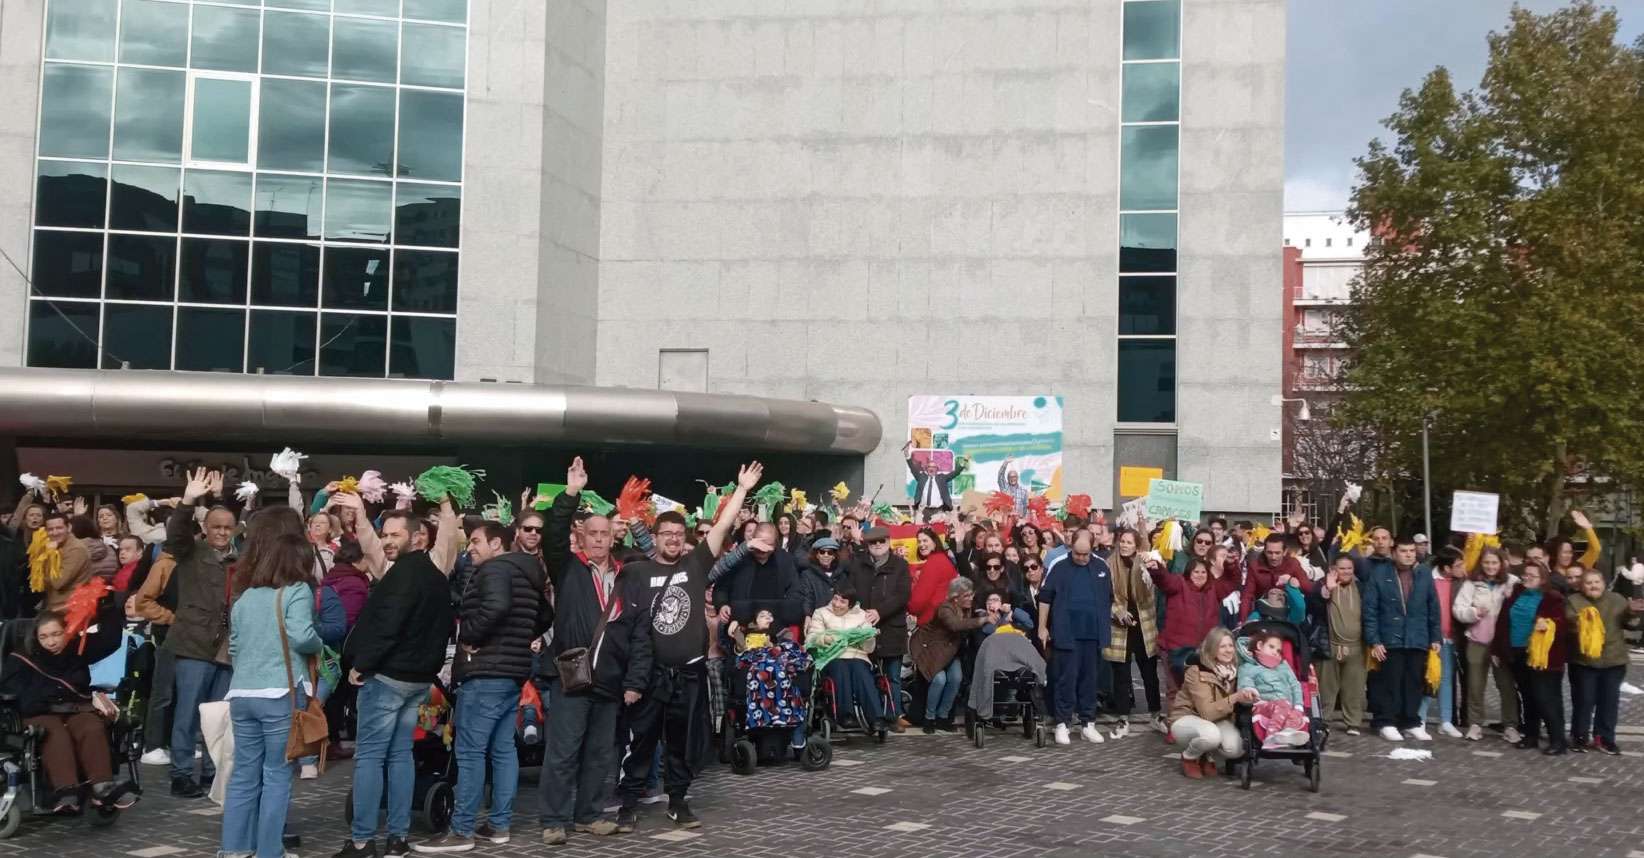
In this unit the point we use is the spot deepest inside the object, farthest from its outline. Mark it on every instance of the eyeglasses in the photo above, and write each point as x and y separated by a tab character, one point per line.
827	551
1202	541
1033	567
530	528
670	534
994	567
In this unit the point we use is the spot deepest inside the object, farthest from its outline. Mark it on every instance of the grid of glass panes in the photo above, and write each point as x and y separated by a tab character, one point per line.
1149	133
249	186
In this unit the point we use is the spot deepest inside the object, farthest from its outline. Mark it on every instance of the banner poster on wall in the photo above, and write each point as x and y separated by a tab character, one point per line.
982	433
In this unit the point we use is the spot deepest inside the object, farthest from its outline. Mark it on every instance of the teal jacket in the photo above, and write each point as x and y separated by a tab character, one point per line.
1271	683
254	637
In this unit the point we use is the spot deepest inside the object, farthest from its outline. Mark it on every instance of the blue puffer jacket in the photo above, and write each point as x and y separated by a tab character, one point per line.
1390	619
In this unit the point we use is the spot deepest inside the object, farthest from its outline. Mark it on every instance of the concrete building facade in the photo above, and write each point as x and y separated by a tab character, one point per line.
853	202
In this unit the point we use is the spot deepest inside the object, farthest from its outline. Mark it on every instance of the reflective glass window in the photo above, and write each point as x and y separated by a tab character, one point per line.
423	348
63	334
285	275
291	125
153	34
67	264
389	8
1147	242
362	129
137	334
141	267
144	198
1153	30
288	206
210	340
357	210
222	120
295	44
356	278
363	49
217	202
425	281
74	111
1147	167
353	345
454	11
213	271
70	193
427	215
1147	381
432	56
318	5
148	118
225	39
81	30
1152	92
282	343
1147	305
430	135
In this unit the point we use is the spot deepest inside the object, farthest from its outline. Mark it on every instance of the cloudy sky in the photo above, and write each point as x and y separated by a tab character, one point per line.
1350	59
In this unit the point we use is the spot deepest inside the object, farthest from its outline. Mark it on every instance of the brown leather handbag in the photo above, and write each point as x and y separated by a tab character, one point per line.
310	734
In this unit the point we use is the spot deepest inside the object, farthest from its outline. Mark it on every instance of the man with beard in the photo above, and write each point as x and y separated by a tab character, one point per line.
674	708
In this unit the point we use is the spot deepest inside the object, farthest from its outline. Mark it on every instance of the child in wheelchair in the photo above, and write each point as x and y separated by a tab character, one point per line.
47	683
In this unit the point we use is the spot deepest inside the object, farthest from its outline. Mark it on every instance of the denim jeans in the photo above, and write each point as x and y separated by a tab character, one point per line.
386	716
1446	693
198	681
486	708
944	688
892	668
259	788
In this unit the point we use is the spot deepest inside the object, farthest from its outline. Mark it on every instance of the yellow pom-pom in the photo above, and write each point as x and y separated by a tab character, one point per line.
349	484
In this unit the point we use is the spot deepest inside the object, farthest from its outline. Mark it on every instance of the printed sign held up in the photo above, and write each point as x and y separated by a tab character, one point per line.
1174	499
1474	512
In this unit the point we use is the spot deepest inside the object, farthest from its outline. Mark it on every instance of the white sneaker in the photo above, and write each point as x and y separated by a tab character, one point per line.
1292	738
1391	734
309	772
1512	735
1122	730
1450	730
1091	734
156	757
1420	734
1062	737
1160	724
1475	733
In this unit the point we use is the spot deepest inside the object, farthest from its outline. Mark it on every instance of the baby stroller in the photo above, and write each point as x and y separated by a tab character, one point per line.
434	793
769	699
1307	756
26	788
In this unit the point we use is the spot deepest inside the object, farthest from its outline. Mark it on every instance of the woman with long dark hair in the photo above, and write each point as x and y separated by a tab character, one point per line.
936	569
271	635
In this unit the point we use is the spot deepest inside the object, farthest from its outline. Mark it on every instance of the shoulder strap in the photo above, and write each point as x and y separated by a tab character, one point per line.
37	669
285	644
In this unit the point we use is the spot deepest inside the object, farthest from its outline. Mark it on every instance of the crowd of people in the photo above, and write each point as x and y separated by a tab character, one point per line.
620	638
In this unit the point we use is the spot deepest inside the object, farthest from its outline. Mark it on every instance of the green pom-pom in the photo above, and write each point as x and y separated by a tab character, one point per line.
444	481
595	504
770	495
884	511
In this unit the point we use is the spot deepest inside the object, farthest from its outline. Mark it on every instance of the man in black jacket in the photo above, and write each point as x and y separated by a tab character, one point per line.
883	583
504	609
394	653
577	762
674	708
765	581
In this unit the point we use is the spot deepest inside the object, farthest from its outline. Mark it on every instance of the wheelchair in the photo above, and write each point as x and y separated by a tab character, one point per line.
27	793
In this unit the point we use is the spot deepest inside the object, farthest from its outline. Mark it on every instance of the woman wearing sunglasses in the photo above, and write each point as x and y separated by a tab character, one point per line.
996	578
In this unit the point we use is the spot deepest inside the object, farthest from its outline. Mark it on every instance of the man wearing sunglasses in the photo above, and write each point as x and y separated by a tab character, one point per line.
674	707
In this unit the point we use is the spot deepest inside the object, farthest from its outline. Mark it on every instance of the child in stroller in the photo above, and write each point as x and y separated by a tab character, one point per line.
1277	715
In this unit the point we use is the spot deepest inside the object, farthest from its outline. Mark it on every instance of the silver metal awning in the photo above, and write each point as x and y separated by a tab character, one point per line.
273	409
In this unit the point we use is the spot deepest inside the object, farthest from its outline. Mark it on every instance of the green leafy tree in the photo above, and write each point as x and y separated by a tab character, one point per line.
1504	295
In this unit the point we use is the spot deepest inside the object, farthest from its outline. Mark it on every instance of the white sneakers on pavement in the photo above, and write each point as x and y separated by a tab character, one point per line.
156	757
1450	730
1391	734
1475	733
1091	734
1122	730
1512	735
1420	734
1062	737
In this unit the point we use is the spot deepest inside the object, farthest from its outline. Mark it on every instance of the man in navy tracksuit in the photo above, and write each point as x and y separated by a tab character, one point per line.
1075	620
1401	625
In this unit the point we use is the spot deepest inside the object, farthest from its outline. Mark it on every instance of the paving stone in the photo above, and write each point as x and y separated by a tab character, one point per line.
1326	817
870	791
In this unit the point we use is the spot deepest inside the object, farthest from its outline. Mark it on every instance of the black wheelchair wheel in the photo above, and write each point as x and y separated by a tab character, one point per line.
972	728
818	754
979	739
744	757
727	737
103	816
437	806
1039	738
879	735
12	821
1314	775
1246	771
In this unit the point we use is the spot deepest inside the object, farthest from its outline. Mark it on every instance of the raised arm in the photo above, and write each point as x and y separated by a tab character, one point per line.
376	562
746	479
447	538
556	541
1594	547
137	523
294	496
15	521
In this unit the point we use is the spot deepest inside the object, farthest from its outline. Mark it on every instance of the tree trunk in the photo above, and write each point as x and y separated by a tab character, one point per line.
1553	491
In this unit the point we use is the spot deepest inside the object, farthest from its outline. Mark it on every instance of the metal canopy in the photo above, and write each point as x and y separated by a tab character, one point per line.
272	409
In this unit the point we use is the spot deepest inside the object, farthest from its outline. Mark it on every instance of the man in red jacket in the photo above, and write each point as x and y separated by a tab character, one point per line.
1269	569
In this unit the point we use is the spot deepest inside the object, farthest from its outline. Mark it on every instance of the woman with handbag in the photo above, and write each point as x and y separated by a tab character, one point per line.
271	640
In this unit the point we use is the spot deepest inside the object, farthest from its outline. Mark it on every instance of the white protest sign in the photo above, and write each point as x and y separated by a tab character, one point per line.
1474	512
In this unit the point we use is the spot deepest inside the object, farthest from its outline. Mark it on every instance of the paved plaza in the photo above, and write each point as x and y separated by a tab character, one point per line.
939	796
